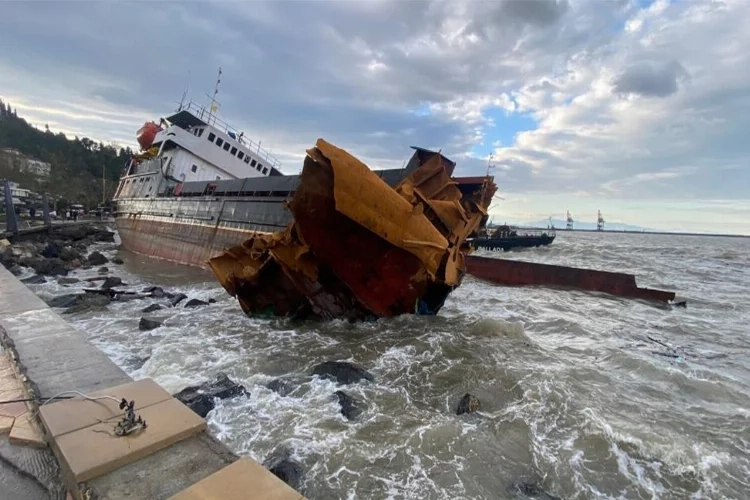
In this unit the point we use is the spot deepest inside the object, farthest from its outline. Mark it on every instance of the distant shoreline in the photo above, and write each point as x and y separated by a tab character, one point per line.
622	231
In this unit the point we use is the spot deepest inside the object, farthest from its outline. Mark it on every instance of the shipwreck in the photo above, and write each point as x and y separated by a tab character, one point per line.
358	247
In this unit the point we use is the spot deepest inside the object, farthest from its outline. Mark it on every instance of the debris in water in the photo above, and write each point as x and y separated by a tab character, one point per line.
358	248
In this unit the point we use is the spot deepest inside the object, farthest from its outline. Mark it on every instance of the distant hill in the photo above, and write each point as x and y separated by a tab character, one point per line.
76	165
561	223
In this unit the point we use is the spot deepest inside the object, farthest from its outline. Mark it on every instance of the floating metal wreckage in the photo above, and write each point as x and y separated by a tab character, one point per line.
517	273
358	248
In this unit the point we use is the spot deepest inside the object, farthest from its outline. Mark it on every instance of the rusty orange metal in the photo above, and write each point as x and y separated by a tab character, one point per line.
357	247
518	273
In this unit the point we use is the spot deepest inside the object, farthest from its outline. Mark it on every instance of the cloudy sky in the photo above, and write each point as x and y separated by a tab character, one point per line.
638	108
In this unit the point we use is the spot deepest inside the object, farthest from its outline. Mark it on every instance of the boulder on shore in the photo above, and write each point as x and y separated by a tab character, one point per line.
468	404
281	465
280	386
195	303
97	259
34	280
342	371
111	281
200	398
88	302
349	405
151	308
67	281
176	299
148	324
117	260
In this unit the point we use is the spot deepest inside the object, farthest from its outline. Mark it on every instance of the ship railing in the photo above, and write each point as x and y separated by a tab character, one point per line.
534	231
211	119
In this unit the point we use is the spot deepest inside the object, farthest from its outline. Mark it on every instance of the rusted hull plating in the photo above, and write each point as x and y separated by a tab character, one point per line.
517	273
358	248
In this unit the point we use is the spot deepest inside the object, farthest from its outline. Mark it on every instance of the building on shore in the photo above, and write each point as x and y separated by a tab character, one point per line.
23	163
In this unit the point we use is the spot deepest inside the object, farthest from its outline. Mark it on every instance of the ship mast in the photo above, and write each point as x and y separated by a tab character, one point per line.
570	221
600	222
213	97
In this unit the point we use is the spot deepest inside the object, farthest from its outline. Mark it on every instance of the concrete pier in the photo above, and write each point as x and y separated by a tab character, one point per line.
54	357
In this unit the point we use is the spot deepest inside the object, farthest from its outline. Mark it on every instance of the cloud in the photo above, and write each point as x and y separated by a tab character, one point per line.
650	80
581	101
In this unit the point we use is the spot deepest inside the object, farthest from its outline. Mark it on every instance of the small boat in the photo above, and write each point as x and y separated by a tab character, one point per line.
507	237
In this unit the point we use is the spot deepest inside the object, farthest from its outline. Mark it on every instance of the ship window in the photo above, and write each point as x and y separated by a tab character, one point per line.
218	178
234	150
194	168
200	132
247	159
219	141
240	155
265	171
211	137
227	146
252	163
260	165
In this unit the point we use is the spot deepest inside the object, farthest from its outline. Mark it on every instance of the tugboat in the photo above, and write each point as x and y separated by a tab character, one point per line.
508	237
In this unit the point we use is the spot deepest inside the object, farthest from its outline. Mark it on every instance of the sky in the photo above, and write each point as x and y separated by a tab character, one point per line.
638	108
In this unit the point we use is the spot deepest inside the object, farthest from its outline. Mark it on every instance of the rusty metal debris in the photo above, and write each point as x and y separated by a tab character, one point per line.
518	273
357	247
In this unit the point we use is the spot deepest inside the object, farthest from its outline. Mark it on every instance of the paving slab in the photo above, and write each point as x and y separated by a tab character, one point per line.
70	415
26	432
6	423
15	297
245	479
96	450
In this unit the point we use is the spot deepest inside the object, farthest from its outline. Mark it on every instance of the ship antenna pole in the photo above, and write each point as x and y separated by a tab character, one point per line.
213	98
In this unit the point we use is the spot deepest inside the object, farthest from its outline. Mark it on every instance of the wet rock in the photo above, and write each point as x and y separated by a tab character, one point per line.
212	301
281	465
195	303
468	404
15	269
279	386
341	371
533	490
155	291
97	259
68	300
176	299
48	267
74	233
111	282
50	251
67	281
103	236
117	260
349	405
88	302
70	254
122	296
151	308
200	398
34	280
103	270
148	324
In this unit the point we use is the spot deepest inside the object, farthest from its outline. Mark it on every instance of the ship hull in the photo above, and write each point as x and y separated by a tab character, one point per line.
191	231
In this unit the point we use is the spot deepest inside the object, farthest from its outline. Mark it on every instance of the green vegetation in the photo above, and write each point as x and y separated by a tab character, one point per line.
76	165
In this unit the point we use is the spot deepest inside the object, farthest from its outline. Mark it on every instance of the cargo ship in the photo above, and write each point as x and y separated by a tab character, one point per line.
199	186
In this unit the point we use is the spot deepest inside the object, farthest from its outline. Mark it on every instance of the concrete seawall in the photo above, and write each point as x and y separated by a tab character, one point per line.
52	357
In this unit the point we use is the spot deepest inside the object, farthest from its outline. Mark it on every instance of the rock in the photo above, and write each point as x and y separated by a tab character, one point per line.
533	490
103	270
48	267
349	408
279	386
280	463
468	404
195	303
69	254
200	398
151	308
15	269
177	299
97	259
212	301
121	296
88	302
148	324
117	260
68	300
74	233
50	251
104	236
34	280
111	281
342	371
67	281
4	245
